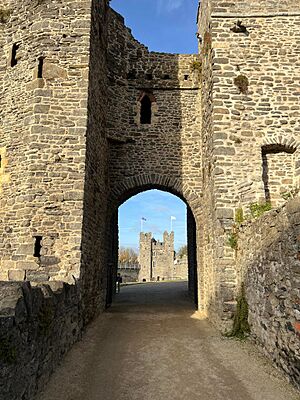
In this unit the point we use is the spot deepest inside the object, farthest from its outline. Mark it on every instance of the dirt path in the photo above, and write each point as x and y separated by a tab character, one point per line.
151	346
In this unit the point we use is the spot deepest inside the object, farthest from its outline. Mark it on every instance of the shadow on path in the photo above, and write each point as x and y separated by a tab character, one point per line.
150	346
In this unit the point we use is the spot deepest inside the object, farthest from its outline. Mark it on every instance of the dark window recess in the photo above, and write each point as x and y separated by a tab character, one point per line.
131	75
40	67
37	246
0	161
239	28
146	110
14	60
149	77
166	77
186	77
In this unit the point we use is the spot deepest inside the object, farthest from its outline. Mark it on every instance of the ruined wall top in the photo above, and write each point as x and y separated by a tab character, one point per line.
249	7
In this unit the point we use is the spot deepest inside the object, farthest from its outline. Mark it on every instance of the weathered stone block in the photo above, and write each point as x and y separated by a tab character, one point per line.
53	71
16	275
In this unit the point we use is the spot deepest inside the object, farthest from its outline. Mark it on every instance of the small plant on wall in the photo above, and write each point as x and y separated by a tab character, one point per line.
287	195
239	216
233	237
258	209
4	16
241	328
242	83
196	66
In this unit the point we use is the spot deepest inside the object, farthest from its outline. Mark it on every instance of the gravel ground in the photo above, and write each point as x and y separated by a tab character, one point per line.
151	345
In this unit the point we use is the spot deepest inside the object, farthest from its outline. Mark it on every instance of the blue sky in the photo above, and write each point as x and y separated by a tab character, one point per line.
157	207
161	25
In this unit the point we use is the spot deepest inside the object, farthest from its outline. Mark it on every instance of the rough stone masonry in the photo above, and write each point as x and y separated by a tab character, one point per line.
89	117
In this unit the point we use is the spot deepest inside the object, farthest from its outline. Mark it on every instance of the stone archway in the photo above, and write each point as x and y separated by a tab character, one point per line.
132	186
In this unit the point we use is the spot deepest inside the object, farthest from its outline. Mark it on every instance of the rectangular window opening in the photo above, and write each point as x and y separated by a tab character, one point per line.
37	246
40	67
14	60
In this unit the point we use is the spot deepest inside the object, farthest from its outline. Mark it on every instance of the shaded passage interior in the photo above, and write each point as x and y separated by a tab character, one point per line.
151	344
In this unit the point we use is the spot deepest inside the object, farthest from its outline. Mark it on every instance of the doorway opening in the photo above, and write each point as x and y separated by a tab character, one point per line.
153	241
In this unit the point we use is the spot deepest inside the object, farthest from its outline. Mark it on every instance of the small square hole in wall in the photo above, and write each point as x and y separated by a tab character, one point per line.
186	77
149	77
166	77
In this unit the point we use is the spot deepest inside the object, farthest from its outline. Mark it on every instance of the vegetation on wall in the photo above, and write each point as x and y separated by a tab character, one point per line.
241	328
258	209
196	66
242	83
239	216
233	240
287	195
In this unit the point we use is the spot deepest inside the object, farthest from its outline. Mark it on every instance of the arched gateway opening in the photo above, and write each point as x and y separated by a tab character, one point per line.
155	249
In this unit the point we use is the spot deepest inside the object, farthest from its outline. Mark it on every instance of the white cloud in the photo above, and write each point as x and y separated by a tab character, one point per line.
168	5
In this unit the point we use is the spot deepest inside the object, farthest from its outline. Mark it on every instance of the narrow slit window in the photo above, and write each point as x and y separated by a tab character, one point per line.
14	60
146	111
0	161
186	77
40	67
37	246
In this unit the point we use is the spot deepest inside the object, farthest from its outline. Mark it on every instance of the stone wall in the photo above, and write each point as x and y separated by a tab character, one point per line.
258	7
241	129
38	325
180	268
268	261
42	138
171	145
129	272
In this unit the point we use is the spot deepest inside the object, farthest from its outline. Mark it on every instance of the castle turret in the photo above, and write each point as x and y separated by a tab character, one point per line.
145	257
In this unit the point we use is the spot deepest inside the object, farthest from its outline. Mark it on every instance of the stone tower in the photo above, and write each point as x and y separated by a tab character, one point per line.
145	257
156	258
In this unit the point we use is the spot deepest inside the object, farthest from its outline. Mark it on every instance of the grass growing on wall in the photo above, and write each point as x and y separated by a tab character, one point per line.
241	328
258	209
